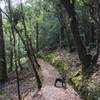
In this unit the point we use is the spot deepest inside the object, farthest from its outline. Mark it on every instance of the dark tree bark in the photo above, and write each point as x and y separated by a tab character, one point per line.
84	58
11	54
71	49
94	8
92	33
95	57
37	37
62	21
87	39
19	53
61	37
3	67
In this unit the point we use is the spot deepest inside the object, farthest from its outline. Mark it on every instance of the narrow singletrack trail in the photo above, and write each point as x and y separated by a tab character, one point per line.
48	90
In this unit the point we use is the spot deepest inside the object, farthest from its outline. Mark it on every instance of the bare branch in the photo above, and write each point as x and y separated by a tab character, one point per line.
5	14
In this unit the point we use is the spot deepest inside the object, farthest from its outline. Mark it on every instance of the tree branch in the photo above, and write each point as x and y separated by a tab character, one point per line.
5	14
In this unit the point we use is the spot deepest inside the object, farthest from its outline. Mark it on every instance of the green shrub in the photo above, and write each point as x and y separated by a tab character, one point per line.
40	54
54	59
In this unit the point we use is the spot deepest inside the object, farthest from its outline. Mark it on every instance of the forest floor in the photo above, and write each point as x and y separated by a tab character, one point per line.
28	86
48	90
49	73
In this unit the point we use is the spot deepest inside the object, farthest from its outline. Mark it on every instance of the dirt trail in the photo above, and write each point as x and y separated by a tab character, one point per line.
49	91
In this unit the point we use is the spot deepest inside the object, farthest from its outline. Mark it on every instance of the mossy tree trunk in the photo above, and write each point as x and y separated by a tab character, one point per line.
37	37
3	67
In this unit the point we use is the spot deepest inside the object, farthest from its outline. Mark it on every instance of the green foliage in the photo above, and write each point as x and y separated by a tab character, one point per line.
90	94
23	60
54	59
88	90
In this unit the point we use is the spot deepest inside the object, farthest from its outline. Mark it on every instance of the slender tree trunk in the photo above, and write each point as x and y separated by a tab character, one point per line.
19	53
35	71
12	32
37	34
17	74
3	67
11	54
27	38
29	49
14	47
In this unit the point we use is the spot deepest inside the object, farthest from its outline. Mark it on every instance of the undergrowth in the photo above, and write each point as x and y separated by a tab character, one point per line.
54	59
86	90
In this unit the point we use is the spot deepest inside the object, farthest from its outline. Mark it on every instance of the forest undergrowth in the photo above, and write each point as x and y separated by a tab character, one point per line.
66	63
27	81
89	88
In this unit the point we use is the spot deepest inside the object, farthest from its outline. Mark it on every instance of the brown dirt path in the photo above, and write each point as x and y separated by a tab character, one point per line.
49	91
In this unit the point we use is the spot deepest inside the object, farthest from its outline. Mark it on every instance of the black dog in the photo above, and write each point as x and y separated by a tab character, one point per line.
62	80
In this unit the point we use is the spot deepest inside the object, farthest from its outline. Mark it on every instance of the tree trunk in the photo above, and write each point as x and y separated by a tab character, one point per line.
71	49
61	37
3	67
16	65
11	55
26	36
96	56
29	48
14	49
62	20
37	37
29	53
84	58
92	33
19	53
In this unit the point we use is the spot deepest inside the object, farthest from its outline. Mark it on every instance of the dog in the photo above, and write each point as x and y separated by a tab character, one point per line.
61	80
